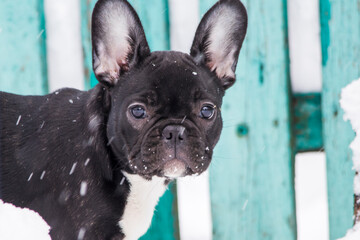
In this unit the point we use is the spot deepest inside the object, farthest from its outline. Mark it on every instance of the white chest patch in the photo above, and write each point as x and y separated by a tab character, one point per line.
140	206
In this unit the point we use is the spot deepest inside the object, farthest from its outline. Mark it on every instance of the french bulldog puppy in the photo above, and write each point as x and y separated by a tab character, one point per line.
94	163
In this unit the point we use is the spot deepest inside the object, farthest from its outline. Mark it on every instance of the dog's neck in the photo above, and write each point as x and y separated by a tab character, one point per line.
141	201
143	194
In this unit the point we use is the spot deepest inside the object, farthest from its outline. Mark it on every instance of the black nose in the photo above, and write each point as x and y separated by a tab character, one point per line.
174	133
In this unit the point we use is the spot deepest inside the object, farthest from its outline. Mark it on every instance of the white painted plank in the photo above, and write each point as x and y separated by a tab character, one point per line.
184	19
64	51
305	48
194	208
311	196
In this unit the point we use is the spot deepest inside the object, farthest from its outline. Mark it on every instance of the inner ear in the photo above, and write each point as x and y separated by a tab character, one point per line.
219	38
118	40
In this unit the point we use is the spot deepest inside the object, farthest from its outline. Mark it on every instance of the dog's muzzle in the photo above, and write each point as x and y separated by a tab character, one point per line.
174	136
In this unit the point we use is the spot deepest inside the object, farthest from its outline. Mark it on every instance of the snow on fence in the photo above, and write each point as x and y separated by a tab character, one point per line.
20	223
252	175
350	102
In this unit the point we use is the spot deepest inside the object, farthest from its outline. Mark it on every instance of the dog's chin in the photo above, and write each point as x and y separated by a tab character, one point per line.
174	168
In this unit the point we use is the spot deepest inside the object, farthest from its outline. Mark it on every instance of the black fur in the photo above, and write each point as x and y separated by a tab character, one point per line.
50	145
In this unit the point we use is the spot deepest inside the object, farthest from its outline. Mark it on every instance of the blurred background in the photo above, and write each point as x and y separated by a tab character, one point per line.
282	168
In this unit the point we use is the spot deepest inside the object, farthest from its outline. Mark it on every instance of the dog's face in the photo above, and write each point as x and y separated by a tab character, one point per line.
165	116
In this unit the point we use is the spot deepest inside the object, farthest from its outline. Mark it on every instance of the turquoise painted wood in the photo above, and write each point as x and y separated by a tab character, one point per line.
307	122
155	19
22	47
340	24
154	16
251	176
87	7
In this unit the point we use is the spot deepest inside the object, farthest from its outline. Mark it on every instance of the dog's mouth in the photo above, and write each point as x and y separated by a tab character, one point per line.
194	158
174	168
159	156
168	168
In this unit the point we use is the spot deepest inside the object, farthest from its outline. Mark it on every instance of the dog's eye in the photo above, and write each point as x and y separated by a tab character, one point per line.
207	111
138	112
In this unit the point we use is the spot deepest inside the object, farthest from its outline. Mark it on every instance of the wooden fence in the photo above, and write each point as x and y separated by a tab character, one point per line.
265	125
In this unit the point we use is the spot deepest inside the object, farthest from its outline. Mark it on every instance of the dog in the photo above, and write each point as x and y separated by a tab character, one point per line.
94	163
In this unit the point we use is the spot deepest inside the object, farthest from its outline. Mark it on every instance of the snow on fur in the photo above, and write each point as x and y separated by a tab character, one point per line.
21	223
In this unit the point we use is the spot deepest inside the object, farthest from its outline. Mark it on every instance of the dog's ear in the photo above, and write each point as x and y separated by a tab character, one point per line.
219	37
118	40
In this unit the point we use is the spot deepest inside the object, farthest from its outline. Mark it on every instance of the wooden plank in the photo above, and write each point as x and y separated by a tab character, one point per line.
307	122
251	176
154	16
155	20
22	47
87	7
340	34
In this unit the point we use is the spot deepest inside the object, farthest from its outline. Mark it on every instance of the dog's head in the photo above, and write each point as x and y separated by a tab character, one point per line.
165	116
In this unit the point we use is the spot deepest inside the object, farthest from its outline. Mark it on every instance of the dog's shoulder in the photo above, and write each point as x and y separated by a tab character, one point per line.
30	104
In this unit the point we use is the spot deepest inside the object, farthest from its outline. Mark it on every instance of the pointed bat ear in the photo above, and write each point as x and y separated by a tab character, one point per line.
219	37
118	40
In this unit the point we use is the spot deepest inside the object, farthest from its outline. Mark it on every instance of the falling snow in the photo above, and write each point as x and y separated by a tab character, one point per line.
110	141
30	176
245	204
183	120
122	181
42	175
73	168
94	123
41	32
83	188
18	121
81	234
71	101
87	161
